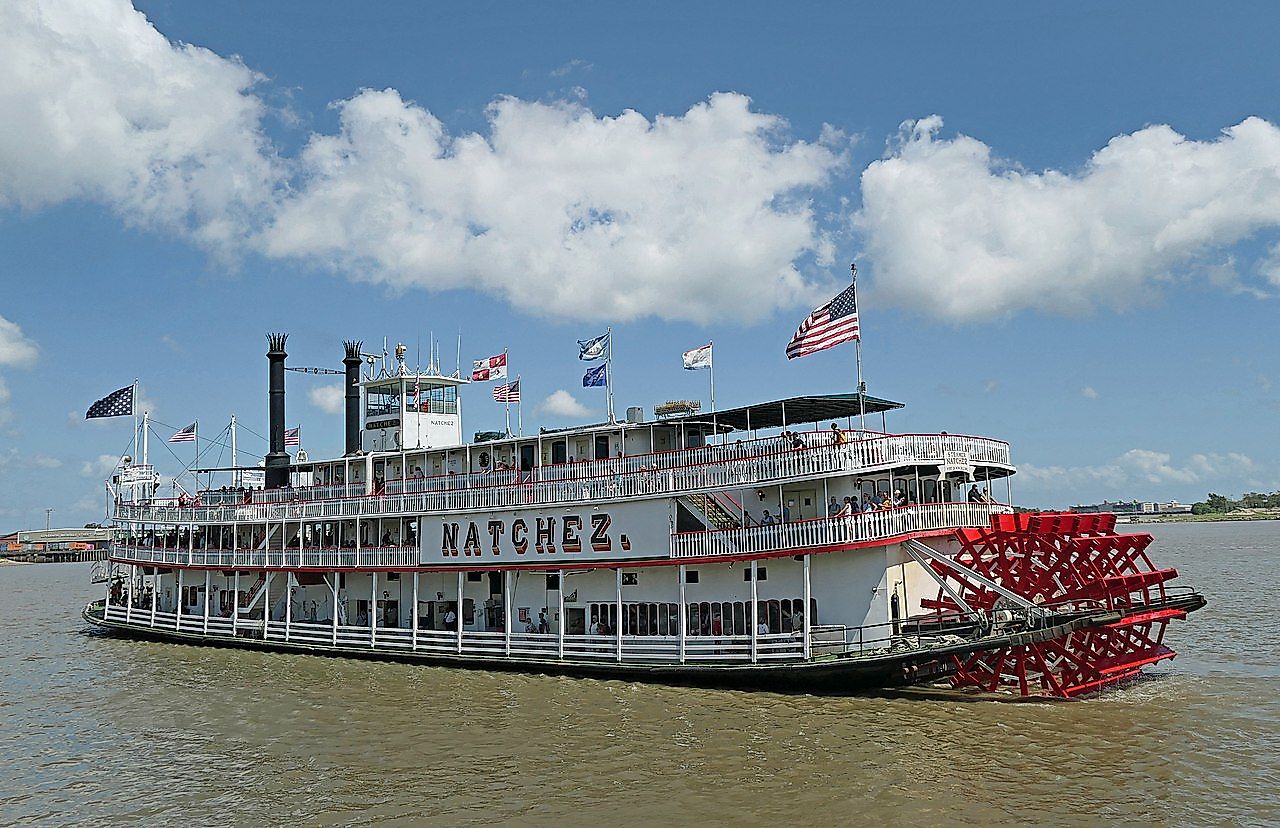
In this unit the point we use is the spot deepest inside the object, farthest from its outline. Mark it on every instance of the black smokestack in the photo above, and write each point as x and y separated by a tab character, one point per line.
277	463
352	363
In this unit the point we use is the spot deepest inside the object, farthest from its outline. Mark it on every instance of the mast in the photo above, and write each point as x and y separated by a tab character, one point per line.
235	466
857	348
608	371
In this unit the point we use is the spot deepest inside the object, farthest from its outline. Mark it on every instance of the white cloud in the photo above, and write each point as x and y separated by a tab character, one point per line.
45	462
563	212
327	398
964	235
1089	392
15	347
563	404
110	111
100	466
1144	466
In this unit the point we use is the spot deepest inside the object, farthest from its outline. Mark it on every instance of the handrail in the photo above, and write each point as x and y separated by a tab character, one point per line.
834	531
729	466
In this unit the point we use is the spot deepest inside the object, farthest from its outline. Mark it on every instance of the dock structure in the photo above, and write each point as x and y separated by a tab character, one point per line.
71	545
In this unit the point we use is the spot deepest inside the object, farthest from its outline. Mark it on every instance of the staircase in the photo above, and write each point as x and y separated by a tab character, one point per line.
719	510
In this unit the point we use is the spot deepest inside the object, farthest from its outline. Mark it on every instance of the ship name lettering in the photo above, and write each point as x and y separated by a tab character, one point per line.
472	546
600	533
545	542
496	528
449	542
570	541
520	535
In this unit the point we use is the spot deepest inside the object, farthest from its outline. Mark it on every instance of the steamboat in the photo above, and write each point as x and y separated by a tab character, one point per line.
779	545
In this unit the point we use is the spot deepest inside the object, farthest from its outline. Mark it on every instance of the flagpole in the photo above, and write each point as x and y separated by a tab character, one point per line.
712	365
195	461
235	471
506	397
608	371
519	408
857	346
133	409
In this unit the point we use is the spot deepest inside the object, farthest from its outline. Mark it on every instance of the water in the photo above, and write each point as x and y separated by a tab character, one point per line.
98	728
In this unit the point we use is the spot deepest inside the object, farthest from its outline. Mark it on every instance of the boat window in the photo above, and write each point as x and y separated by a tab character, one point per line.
475	577
691	576
382	400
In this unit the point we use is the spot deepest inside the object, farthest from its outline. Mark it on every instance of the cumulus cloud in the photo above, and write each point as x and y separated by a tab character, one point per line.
1089	392
962	234
561	211
110	111
1144	466
101	466
563	404
15	347
327	398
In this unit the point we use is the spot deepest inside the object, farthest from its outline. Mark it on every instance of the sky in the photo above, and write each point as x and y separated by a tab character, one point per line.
1066	220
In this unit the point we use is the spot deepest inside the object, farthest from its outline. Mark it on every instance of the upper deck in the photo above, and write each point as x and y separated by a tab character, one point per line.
769	460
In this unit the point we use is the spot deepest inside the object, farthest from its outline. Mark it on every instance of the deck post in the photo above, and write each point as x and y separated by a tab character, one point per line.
808	622
235	602
128	594
506	608
618	604
755	614
357	542
205	629
560	613
266	601
288	603
373	610
413	625
459	610
155	588
684	608
191	541
333	588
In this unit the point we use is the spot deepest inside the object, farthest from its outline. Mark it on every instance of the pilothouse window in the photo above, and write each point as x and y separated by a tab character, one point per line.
382	401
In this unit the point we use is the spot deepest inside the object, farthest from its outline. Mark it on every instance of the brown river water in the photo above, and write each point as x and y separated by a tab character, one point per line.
105	730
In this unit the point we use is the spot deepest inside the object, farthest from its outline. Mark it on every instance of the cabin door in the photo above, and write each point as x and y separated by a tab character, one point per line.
602	446
559	452
526	457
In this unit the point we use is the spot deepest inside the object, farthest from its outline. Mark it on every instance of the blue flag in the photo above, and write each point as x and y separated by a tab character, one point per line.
595	348
116	404
595	376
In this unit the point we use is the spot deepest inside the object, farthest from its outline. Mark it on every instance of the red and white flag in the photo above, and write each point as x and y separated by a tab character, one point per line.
293	436
828	326
493	368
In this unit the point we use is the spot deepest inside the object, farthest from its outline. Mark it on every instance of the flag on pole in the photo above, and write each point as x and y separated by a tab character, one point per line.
495	367
593	349
116	404
509	393
293	436
830	325
697	358
595	376
186	435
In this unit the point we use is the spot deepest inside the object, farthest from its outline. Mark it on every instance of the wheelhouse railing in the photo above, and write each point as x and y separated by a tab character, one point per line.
834	531
686	470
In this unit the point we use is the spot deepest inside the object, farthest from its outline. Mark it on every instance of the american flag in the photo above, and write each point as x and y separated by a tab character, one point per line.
187	435
828	326
116	404
293	436
509	393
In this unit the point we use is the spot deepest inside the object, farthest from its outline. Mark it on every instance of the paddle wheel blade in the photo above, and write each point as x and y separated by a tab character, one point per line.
1071	565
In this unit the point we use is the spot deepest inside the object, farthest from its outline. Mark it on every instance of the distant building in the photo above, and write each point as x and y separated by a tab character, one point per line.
56	544
1135	507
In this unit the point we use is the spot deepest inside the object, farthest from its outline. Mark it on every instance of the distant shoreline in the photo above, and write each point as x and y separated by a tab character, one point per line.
1228	517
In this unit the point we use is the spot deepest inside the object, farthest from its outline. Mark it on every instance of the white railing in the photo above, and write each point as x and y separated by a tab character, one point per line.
326	558
823	532
708	467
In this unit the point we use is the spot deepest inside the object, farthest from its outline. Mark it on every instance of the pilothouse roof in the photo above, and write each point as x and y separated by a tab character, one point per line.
792	411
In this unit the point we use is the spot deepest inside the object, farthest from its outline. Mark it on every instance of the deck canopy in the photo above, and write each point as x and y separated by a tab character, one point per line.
791	411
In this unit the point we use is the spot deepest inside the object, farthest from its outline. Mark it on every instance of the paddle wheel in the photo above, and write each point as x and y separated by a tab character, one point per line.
1066	566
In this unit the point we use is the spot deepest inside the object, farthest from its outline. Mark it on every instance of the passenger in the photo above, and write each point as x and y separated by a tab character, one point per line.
386	538
837	436
762	628
899	499
767	519
594	629
531	627
786	513
868	504
834	508
849	508
417	473
450	619
544	626
797	442
974	495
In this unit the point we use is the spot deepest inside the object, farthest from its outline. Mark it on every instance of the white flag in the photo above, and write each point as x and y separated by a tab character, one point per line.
698	358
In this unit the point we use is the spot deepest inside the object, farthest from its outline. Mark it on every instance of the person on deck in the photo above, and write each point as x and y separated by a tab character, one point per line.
837	436
974	495
834	508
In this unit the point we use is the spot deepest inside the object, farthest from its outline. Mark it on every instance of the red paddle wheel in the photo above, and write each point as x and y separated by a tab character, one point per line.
1069	565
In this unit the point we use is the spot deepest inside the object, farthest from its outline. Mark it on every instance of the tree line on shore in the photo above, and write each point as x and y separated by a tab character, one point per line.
1216	504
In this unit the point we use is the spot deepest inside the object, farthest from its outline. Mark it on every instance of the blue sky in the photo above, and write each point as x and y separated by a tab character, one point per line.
1078	253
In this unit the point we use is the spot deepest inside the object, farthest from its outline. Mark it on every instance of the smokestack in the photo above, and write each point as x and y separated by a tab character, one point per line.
352	363
277	463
